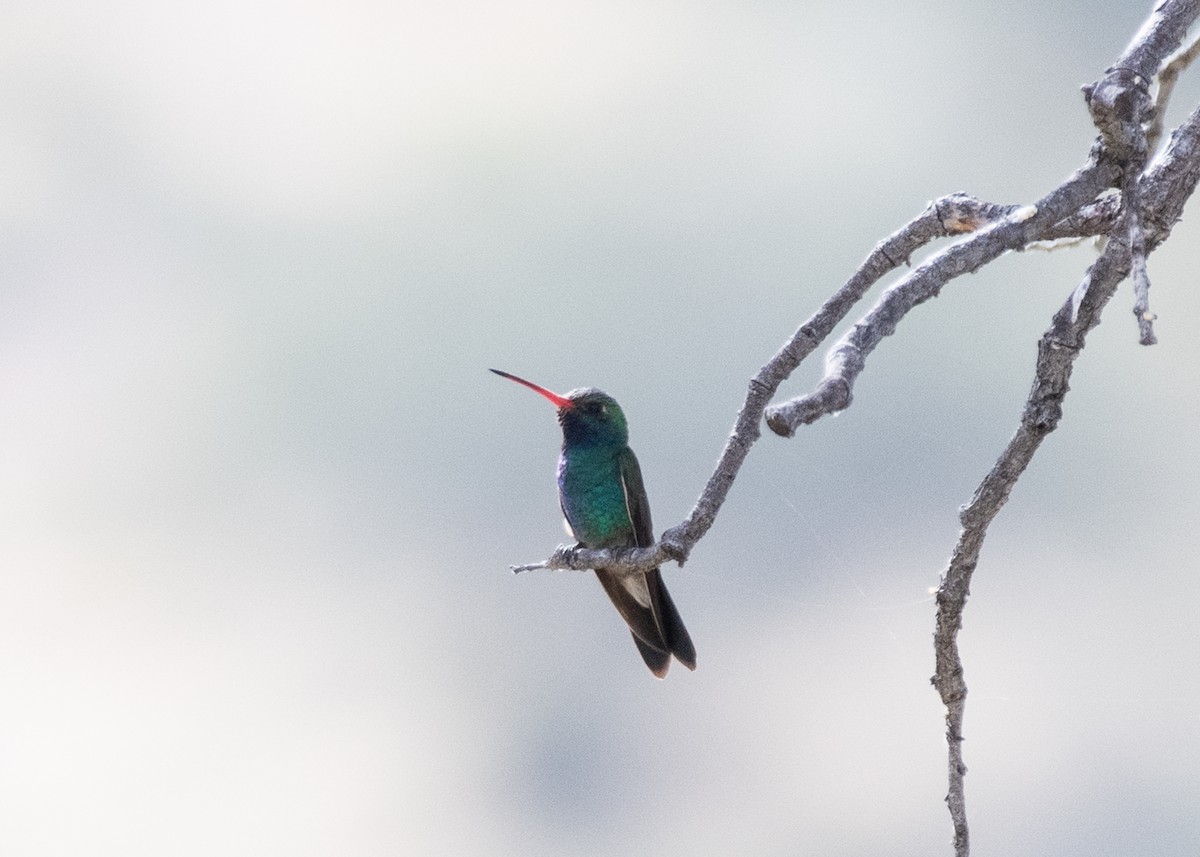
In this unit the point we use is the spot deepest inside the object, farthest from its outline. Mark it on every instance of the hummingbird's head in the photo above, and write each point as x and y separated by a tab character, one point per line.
588	416
593	417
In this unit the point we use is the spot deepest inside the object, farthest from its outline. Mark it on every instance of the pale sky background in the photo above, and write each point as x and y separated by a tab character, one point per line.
259	495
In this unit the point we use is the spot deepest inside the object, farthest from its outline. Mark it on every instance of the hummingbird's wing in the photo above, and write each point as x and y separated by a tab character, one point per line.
636	502
666	615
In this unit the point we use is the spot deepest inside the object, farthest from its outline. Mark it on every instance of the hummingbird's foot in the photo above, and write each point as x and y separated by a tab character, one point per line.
565	554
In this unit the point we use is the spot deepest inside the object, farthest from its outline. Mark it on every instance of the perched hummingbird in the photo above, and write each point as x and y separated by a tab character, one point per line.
602	496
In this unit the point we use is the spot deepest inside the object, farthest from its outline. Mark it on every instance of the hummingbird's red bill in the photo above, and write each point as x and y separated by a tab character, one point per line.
559	401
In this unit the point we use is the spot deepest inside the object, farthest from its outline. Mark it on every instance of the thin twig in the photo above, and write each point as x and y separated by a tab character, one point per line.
1135	241
1140	276
1167	78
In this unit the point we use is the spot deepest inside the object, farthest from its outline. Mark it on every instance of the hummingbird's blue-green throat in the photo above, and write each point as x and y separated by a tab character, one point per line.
602	496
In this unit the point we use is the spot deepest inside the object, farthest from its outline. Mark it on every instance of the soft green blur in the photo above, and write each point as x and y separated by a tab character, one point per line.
259	494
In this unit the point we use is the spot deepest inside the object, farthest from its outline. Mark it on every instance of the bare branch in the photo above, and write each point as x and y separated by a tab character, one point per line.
1162	193
1020	227
1119	102
1160	35
1170	181
1056	355
1096	218
1074	209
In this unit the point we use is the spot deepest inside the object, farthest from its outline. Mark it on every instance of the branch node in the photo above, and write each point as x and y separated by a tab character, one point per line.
1119	103
961	213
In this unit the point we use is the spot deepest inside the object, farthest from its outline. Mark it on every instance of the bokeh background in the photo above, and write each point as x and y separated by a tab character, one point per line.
259	495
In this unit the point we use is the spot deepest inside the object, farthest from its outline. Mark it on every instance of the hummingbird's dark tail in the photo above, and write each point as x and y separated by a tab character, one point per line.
658	660
677	636
653	619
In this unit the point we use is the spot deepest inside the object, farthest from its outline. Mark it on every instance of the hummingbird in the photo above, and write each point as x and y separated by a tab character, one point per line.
604	501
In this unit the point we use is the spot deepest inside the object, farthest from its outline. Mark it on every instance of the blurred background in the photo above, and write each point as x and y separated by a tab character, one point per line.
259	495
